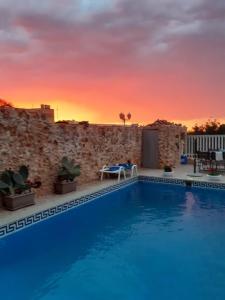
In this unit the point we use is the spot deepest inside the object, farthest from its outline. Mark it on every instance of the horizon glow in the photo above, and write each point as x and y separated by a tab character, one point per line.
91	60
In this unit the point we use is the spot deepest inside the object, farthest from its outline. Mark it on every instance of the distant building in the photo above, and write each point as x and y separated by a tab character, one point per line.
44	110
67	122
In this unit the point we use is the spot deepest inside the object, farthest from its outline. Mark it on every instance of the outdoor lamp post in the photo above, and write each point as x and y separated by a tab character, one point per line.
124	118
195	155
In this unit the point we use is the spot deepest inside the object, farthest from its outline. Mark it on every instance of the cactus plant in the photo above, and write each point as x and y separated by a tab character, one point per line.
12	183
68	170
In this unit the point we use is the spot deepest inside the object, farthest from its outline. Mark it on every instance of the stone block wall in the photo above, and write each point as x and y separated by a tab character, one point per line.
31	139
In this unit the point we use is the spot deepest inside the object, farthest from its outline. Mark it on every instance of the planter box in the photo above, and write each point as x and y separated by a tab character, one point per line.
168	174
18	201
65	187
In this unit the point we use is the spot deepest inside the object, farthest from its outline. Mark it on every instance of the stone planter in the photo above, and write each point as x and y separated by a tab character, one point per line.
65	187
214	177
15	202
168	174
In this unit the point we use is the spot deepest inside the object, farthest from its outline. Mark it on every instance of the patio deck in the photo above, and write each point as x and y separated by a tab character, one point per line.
46	202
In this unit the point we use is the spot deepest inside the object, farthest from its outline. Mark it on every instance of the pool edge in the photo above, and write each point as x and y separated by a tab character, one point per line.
22	223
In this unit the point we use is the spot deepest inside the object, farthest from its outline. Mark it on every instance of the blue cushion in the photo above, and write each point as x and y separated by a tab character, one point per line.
113	168
126	166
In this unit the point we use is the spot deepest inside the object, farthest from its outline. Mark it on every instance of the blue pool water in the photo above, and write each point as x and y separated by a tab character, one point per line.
146	241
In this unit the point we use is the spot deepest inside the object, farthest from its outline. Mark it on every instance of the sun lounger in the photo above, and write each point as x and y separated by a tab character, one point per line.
130	168
119	169
113	170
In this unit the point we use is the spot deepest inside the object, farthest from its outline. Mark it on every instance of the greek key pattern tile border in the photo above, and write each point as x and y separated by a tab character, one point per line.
50	212
184	182
47	213
162	180
210	185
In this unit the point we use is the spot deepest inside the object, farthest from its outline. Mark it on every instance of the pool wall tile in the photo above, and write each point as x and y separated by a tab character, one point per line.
162	180
50	212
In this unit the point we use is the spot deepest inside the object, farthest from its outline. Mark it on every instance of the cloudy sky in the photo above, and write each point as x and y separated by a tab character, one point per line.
95	58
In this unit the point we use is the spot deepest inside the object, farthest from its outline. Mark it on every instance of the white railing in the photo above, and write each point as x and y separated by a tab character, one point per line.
204	143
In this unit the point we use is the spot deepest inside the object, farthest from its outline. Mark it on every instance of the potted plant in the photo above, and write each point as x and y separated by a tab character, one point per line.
15	188
168	171
68	171
213	175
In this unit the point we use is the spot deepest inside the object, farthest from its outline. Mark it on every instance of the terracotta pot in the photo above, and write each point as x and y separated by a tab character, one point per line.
65	187
15	202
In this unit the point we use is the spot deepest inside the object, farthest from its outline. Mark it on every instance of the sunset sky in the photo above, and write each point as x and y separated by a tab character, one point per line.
96	58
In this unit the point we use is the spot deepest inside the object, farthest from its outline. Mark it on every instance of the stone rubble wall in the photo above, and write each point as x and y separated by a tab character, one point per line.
171	143
30	139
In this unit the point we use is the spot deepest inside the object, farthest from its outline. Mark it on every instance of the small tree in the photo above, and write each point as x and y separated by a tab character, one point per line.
221	129
124	118
198	129
212	126
4	103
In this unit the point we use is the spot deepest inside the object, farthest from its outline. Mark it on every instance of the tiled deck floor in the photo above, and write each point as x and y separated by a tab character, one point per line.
53	200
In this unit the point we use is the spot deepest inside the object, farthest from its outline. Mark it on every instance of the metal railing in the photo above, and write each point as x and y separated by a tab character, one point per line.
204	143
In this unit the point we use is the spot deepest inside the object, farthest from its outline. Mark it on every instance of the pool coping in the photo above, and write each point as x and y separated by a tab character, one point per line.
43	214
24	222
192	182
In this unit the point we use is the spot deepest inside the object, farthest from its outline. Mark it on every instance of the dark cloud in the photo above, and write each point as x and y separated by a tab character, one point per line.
134	27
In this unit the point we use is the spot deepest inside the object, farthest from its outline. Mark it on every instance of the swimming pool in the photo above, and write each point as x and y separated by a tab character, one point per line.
144	241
